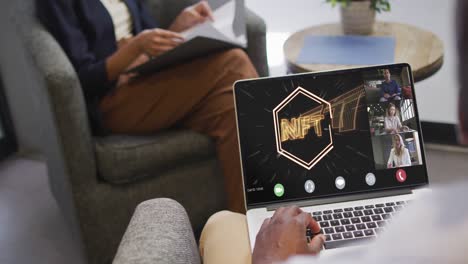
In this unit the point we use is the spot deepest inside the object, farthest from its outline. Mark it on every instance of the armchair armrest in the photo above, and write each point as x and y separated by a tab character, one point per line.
256	39
159	232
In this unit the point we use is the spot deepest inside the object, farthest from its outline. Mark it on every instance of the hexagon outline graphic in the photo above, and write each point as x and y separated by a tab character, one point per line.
308	165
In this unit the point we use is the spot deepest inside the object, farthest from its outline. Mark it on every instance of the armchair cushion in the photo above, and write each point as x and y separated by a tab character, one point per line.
124	159
159	232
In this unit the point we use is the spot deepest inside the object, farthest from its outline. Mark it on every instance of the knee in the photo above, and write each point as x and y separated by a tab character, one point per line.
237	54
224	219
225	227
219	219
229	119
237	61
237	58
224	126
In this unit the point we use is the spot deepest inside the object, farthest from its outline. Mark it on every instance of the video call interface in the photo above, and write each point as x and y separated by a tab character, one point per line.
307	136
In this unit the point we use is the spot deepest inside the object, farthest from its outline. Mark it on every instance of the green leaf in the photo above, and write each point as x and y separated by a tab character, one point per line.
343	3
380	5
387	7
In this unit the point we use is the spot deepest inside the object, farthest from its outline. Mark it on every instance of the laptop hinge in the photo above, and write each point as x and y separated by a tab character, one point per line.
347	198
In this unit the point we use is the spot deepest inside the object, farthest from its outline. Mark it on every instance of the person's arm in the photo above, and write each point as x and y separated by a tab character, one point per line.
60	19
153	42
387	125
122	58
283	236
407	158
191	16
383	91
391	158
398	88
131	52
124	78
399	126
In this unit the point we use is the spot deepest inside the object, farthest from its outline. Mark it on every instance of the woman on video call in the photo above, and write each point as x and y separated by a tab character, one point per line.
104	38
399	155
392	121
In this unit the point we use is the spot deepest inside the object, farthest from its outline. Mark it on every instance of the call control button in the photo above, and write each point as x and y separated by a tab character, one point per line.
340	182
370	179
309	186
278	190
400	175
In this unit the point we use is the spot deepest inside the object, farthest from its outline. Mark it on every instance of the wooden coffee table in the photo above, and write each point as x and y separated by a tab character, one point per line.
421	49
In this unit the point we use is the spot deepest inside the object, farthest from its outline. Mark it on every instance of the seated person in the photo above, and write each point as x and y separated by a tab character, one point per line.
392	122
399	155
104	38
389	89
422	236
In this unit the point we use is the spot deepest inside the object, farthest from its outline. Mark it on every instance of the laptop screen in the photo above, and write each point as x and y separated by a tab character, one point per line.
331	133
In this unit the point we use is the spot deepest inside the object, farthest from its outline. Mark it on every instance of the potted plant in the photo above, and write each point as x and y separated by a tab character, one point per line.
358	16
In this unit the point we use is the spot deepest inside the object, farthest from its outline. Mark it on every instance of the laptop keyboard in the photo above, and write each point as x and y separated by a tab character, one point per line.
342	227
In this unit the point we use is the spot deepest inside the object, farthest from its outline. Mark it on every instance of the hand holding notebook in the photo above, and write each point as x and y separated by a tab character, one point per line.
207	37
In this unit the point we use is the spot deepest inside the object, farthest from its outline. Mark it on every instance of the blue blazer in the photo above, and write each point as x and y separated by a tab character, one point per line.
85	31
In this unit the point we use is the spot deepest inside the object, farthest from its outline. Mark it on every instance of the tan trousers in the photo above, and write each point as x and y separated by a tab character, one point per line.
195	95
225	239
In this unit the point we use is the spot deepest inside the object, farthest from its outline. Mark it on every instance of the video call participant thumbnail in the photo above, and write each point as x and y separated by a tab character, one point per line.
392	121
399	155
389	89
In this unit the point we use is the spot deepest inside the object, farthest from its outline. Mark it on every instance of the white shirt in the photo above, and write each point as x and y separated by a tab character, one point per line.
392	122
404	160
121	18
433	229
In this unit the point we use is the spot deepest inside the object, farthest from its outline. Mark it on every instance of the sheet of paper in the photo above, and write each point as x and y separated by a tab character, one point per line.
223	24
224	19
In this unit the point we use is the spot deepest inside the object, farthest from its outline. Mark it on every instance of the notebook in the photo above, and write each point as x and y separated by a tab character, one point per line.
347	50
228	30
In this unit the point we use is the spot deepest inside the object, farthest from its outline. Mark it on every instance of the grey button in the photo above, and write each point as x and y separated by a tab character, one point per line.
370	179
340	182
309	186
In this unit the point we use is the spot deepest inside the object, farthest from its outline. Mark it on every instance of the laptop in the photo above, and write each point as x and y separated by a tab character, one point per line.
345	146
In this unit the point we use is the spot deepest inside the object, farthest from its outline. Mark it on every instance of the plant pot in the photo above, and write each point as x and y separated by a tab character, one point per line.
358	18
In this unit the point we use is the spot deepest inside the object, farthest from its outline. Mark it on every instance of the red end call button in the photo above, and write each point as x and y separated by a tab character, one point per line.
400	175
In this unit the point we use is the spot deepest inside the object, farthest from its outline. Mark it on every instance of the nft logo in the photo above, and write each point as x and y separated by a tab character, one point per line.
301	136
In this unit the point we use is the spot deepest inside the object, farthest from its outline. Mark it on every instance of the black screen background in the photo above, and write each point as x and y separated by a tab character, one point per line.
351	157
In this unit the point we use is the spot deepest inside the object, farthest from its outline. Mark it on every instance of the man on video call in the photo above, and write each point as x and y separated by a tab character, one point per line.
389	89
433	229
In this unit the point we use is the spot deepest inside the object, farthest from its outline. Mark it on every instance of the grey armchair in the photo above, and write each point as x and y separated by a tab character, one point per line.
98	182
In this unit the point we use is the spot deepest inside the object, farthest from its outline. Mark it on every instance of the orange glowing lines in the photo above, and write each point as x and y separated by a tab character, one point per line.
345	107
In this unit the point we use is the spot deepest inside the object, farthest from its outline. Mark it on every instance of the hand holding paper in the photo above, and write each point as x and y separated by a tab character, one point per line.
156	41
222	23
191	16
211	35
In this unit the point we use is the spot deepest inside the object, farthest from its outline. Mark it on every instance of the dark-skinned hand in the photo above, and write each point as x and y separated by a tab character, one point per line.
283	235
